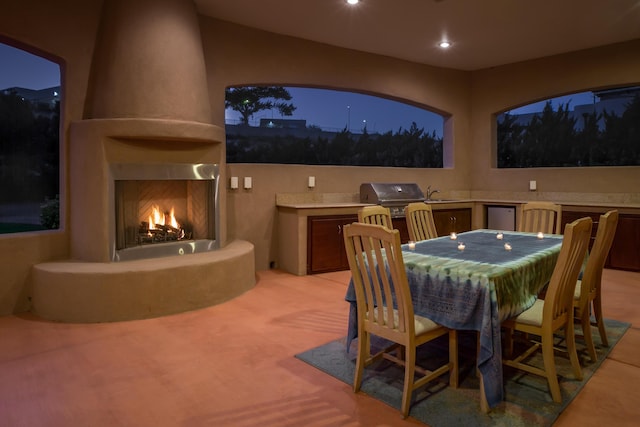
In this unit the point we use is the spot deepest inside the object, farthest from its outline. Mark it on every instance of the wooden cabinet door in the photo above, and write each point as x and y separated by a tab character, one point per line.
569	216
400	224
325	243
625	250
452	220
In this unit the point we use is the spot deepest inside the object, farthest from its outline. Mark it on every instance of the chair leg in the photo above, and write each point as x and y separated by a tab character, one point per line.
363	355
586	332
507	348
453	358
478	374
400	352
571	348
597	312
409	373
550	368
484	404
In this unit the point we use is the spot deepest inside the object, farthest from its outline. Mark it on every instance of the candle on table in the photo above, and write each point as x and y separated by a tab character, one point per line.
540	235
453	236
507	246
461	246
412	244
499	236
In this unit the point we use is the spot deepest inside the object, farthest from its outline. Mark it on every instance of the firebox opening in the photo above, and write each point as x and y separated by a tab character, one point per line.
164	210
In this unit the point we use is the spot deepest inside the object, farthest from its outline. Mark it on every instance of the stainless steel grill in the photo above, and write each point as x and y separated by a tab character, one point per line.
395	196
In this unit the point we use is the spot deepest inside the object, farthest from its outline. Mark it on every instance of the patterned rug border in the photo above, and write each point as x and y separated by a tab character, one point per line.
527	400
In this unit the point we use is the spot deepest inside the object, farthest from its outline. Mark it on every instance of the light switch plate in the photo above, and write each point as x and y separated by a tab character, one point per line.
233	183
312	181
247	182
533	186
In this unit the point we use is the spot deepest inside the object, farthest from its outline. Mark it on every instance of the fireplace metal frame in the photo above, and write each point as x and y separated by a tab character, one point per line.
163	171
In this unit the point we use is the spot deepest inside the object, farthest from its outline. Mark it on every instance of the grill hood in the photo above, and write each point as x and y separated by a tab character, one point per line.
390	194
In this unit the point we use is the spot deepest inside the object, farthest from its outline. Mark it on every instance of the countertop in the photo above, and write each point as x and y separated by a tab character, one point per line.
347	200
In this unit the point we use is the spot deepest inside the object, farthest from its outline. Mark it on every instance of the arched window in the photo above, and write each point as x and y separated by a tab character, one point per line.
594	128
29	141
301	125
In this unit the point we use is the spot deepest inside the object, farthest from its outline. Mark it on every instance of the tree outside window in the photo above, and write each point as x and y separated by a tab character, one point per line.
603	132
29	142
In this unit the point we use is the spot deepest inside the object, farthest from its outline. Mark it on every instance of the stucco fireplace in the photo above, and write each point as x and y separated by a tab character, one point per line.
121	168
146	138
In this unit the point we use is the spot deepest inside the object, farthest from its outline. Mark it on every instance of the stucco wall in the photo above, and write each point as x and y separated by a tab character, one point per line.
63	32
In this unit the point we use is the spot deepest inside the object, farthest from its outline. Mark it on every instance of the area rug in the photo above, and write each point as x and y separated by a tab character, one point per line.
527	399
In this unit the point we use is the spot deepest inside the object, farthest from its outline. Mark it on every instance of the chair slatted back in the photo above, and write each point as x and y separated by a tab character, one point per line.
558	304
592	277
541	216
420	222
379	278
377	214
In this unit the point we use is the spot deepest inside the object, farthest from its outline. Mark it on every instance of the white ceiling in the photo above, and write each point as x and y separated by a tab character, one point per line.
484	33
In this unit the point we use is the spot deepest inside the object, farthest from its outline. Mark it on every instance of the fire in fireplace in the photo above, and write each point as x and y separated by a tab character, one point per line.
162	227
164	209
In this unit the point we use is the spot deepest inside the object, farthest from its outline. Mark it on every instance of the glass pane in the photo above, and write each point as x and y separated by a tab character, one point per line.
595	128
29	142
299	125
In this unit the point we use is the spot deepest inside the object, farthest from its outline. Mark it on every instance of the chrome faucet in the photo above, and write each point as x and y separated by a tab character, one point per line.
431	193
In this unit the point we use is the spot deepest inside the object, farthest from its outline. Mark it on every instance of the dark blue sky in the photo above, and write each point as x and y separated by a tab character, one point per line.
22	69
575	99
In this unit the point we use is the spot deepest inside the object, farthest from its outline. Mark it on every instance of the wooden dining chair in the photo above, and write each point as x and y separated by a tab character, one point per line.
377	214
554	313
587	295
541	216
420	222
370	250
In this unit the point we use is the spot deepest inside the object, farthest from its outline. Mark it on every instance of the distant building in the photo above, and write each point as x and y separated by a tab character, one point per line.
285	127
283	124
43	100
613	101
47	96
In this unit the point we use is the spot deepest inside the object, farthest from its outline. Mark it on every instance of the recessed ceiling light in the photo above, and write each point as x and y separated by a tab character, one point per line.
353	1
444	44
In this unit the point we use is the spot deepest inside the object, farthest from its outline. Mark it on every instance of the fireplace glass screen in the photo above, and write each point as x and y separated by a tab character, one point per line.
160	217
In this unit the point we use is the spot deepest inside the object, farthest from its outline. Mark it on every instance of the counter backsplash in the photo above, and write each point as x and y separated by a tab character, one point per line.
313	198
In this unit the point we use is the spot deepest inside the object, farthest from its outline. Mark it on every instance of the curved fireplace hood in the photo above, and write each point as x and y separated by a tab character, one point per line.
148	63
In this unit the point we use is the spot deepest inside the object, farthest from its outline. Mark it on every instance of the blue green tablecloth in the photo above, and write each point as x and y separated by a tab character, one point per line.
476	288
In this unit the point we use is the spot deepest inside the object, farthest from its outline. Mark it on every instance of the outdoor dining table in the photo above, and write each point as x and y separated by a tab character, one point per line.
474	281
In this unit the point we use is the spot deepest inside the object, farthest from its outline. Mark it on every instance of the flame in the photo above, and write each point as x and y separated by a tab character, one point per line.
157	218
172	219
